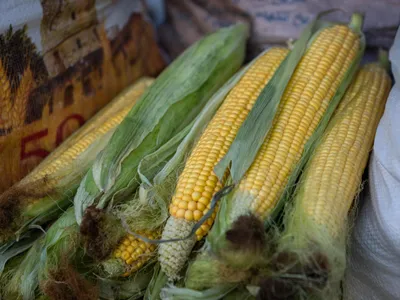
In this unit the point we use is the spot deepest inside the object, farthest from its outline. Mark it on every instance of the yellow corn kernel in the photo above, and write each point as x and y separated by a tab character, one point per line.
198	183
303	104
333	175
74	146
194	192
134	252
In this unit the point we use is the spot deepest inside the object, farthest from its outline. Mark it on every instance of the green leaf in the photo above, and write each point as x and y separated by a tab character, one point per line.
174	293
14	248
157	283
167	107
130	289
24	280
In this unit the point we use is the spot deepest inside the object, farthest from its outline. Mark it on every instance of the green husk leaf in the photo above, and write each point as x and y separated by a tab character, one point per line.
239	293
149	208
131	289
174	293
172	102
13	248
157	283
23	282
60	243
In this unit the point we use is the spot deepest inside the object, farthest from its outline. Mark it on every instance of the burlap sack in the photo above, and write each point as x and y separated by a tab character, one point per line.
273	21
60	62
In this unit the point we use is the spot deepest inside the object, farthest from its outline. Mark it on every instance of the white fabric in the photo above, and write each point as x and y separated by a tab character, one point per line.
374	261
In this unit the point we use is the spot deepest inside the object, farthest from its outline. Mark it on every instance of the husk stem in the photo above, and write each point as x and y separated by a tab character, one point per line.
157	283
207	271
383	58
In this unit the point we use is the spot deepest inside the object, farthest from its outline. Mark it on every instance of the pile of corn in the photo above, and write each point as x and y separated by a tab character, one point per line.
135	205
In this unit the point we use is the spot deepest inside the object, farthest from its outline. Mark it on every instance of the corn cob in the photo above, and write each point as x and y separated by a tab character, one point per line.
99	125
333	176
131	254
306	98
239	239
198	182
53	181
315	235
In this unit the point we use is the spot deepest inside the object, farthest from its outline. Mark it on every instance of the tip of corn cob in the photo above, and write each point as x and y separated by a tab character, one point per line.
131	254
173	255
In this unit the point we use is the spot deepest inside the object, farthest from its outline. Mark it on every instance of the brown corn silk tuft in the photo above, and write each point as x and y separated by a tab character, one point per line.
99	232
247	233
67	284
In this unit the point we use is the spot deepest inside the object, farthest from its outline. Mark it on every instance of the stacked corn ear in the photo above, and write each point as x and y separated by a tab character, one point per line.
49	187
198	182
147	212
307	96
238	238
61	258
316	227
163	113
171	104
